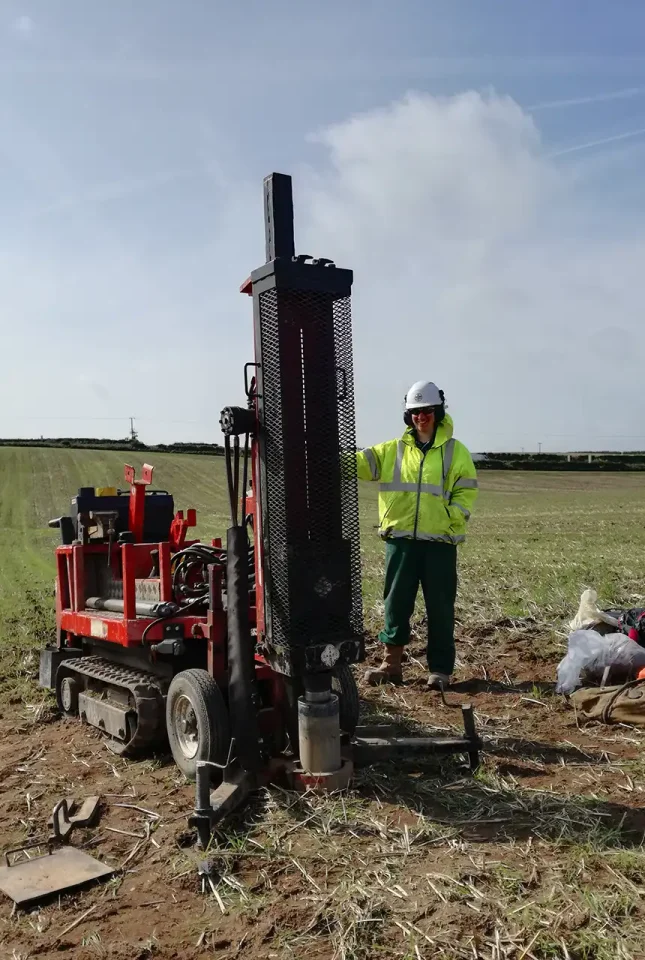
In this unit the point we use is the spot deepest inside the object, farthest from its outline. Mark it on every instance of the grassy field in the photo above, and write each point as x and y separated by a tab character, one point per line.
540	855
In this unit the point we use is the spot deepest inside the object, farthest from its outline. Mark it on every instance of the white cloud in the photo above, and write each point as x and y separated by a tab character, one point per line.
23	25
481	264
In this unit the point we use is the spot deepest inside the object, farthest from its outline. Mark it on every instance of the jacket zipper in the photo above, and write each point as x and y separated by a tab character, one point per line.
416	516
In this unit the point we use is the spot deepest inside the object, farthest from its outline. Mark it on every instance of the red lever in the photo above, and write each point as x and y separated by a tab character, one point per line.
179	528
137	498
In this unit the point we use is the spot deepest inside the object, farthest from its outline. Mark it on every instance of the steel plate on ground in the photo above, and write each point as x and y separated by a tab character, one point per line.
66	869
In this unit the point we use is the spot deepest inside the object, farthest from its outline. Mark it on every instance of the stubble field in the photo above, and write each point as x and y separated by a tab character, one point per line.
540	854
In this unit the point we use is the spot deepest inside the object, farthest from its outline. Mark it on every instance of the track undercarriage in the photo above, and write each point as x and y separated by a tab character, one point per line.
128	706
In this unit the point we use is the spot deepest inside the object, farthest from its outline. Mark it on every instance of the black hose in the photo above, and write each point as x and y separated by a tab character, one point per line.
199	555
190	559
206	547
240	648
229	478
245	477
236	476
179	613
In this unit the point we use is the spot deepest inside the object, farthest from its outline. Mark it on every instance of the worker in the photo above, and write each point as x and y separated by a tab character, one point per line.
428	485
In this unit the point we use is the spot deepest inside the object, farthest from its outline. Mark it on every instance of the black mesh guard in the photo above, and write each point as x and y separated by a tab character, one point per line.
309	485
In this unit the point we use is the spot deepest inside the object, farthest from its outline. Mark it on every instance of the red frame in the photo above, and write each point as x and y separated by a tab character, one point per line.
132	561
124	629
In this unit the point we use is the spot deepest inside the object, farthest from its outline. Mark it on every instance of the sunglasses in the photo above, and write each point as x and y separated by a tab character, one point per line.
419	410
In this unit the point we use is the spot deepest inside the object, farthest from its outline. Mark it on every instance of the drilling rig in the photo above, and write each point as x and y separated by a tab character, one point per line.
239	655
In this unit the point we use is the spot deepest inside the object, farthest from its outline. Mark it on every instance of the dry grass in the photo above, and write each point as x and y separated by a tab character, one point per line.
369	886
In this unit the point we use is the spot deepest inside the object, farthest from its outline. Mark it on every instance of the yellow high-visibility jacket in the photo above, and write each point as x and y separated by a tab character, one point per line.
422	496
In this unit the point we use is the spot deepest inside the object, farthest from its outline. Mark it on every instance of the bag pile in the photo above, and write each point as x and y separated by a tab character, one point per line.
601	639
589	653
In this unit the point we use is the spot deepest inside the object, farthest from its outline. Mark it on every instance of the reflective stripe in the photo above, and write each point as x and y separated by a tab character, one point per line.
399	487
400	450
447	460
409	534
371	460
465	512
469	484
444	538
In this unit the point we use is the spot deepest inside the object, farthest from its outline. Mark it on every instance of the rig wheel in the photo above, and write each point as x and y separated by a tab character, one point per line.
344	685
67	692
197	721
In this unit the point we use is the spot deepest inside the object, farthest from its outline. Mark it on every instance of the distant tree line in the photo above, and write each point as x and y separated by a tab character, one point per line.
596	460
94	443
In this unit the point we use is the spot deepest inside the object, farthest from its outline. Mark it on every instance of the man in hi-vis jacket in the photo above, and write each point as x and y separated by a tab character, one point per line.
428	485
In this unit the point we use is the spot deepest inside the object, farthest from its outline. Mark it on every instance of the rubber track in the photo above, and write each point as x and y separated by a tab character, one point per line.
146	690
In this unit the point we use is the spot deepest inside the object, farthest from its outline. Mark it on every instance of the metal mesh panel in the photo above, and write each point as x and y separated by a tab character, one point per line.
311	519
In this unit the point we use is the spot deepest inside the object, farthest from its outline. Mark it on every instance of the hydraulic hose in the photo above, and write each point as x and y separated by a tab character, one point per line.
241	670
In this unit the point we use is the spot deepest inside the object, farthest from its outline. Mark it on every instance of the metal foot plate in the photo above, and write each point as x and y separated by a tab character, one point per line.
52	873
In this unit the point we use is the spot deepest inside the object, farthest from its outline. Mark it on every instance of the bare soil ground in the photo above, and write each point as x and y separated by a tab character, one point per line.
540	854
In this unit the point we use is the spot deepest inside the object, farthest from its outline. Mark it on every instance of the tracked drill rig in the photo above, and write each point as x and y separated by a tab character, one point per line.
238	655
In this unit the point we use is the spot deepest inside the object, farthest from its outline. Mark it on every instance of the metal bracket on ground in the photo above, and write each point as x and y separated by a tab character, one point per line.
62	821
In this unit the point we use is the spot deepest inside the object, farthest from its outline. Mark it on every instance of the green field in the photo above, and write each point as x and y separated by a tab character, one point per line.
535	540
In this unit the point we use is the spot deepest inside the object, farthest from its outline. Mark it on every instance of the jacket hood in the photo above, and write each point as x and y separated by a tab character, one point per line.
444	433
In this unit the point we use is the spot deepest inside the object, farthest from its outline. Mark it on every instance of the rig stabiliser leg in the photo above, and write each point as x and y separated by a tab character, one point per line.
201	818
470	731
212	807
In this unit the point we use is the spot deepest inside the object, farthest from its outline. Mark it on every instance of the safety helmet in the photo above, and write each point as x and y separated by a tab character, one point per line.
423	393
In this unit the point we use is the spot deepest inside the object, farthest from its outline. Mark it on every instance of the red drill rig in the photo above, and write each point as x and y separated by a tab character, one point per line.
239	656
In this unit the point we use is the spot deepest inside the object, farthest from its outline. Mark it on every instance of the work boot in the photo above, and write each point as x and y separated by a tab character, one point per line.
437	681
390	670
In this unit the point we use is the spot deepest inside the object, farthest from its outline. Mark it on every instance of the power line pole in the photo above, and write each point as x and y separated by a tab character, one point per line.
540	447
133	432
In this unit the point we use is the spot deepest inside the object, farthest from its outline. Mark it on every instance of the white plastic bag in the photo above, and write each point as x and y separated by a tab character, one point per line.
589	613
590	652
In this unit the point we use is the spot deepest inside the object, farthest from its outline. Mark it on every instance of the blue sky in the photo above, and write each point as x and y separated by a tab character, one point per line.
478	164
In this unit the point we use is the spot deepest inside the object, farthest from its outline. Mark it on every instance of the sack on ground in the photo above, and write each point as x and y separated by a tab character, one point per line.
622	704
589	653
590	615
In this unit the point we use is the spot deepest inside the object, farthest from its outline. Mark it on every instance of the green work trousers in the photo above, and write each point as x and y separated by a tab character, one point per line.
409	563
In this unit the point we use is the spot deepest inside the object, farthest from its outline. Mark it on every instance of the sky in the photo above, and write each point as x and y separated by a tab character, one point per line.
476	163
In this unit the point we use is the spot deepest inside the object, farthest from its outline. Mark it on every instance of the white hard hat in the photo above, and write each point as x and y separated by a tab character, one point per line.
423	393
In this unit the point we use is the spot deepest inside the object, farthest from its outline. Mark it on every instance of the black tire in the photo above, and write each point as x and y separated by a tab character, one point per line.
197	721
344	685
67	691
